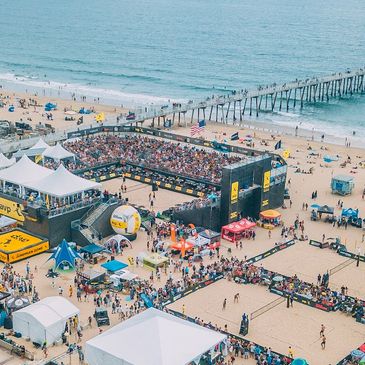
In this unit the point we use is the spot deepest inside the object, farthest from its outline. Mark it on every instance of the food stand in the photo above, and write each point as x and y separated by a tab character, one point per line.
269	219
237	230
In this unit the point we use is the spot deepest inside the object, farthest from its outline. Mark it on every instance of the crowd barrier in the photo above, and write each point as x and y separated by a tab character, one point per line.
301	299
270	252
284	358
351	255
147	180
195	287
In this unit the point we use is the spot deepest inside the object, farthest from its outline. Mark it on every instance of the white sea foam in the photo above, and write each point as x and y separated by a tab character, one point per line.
67	90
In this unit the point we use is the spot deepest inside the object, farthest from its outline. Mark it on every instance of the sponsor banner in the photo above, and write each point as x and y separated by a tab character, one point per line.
351	255
12	209
266	184
270	252
16	256
234	192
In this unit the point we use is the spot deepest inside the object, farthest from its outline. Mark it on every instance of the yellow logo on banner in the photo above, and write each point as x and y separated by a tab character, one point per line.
16	256
265	202
267	176
233	215
11	209
234	192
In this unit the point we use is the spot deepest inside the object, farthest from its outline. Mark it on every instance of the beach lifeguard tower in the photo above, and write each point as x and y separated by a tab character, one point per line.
342	184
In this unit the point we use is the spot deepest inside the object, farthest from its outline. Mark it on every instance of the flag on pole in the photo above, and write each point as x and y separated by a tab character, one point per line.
197	128
278	145
234	136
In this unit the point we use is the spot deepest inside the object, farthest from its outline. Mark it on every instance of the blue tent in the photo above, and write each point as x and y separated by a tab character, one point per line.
114	265
354	213
92	249
64	254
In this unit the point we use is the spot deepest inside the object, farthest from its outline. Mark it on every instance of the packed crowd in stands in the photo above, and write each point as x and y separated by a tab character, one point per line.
176	158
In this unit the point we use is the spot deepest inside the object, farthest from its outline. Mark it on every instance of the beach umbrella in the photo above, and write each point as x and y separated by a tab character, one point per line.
328	158
299	361
315	206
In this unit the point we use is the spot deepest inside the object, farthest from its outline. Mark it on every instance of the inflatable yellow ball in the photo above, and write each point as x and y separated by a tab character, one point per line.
125	219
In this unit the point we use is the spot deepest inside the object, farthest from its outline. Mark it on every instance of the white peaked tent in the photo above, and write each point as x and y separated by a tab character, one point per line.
44	320
63	183
57	153
40	144
6	162
154	338
24	171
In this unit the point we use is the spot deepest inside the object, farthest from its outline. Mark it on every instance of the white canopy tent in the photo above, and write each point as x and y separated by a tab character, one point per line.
164	338
44	320
40	145
62	183
6	162
24	171
57	153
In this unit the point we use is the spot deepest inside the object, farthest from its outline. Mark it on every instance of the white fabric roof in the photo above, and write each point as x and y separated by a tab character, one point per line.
24	171
6	162
50	310
40	144
6	221
165	340
57	152
44	320
62	183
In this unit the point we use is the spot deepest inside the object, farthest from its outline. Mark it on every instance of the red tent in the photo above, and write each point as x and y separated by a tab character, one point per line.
236	230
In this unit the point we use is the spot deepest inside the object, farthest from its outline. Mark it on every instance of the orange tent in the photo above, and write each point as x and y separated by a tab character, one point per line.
182	245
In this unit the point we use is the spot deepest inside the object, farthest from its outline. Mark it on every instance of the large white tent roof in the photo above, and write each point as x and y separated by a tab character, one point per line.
6	162
24	171
57	152
49	311
40	144
165	340
62	183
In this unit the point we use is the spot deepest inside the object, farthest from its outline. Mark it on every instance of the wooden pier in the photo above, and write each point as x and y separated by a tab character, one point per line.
233	107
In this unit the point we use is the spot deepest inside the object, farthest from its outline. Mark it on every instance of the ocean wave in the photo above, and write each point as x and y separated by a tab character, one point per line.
110	96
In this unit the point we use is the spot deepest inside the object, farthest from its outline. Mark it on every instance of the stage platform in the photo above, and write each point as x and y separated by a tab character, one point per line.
17	245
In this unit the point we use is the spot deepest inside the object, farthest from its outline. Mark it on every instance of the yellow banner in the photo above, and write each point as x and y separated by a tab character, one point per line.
20	255
11	209
17	240
267	176
233	215
234	192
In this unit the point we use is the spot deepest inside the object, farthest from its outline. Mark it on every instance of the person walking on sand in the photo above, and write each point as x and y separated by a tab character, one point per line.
321	333
224	304
236	298
290	353
323	342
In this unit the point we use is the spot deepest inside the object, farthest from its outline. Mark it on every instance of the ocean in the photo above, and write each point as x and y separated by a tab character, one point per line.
141	52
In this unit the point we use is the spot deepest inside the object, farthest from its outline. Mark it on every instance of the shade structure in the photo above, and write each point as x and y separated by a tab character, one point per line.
41	144
299	361
64	254
155	260
325	209
61	183
57	153
6	221
118	238
6	162
242	225
17	302
165	340
270	214
44	320
181	246
114	265
24	172
92	249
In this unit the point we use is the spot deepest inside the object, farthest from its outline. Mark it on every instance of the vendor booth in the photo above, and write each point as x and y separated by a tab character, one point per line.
155	260
64	256
164	338
269	219
342	184
93	253
209	238
181	247
114	265
123	280
44	321
238	230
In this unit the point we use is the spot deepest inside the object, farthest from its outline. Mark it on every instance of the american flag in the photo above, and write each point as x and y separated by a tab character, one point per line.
197	128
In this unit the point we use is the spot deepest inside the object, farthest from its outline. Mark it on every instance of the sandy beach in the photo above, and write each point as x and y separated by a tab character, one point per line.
280	327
